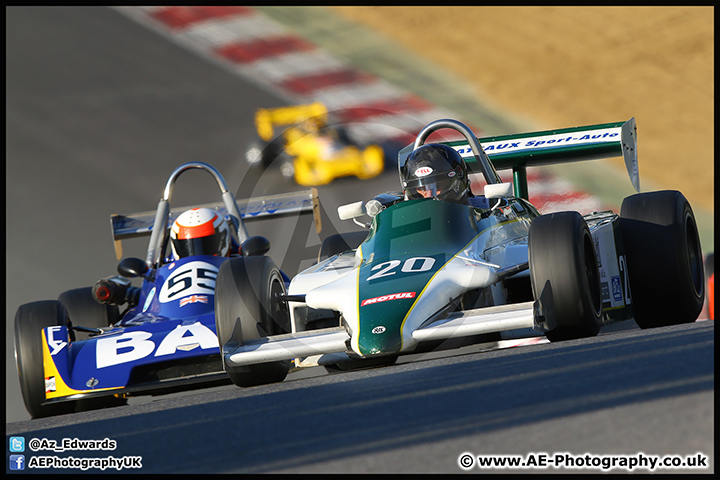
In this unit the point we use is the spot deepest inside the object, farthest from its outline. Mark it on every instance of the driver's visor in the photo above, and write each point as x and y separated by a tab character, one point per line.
429	188
209	245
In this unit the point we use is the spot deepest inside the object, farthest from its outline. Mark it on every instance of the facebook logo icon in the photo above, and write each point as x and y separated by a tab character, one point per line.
17	462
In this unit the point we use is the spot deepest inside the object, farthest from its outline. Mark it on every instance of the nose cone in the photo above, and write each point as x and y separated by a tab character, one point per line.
378	340
381	320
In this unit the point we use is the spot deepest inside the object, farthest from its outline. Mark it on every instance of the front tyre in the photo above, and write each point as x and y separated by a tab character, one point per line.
247	308
664	258
565	277
361	363
30	319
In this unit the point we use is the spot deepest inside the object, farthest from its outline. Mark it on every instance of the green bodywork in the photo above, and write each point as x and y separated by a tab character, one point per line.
408	244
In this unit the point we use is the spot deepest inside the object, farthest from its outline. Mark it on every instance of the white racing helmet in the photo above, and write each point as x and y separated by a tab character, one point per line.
200	231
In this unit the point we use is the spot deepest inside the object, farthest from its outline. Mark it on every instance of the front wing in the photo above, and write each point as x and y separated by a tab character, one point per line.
151	359
331	345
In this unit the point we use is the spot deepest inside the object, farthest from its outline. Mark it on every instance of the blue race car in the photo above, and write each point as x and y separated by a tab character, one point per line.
82	352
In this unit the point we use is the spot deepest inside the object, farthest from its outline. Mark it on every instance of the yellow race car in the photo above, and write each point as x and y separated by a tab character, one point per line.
309	150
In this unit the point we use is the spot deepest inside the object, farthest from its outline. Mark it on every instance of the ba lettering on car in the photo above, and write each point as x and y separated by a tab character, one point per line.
131	346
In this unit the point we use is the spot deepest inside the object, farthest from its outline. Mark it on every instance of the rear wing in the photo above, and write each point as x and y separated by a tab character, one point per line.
141	224
519	151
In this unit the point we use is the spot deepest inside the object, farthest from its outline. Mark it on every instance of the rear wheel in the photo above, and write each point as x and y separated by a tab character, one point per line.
30	319
264	154
339	243
84	311
565	277
246	308
664	258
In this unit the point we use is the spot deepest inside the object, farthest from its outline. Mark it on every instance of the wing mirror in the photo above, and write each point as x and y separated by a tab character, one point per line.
351	210
256	245
132	267
498	190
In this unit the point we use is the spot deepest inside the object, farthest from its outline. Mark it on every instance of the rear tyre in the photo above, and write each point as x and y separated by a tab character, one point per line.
339	243
246	308
565	277
262	155
664	257
30	319
84	311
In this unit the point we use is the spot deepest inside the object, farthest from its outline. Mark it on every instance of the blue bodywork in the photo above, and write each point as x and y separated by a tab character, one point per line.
169	337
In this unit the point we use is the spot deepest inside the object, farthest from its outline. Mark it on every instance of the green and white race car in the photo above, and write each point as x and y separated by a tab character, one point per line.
427	274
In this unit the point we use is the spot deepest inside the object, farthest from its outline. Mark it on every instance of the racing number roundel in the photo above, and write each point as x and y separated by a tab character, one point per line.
192	278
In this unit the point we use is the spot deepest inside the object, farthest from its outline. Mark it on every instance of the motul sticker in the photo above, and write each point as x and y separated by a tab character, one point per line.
385	298
423	171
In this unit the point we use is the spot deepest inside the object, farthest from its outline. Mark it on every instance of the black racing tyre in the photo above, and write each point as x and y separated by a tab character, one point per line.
565	277
261	155
339	243
274	153
361	363
30	319
709	265
246	308
84	311
665	263
343	136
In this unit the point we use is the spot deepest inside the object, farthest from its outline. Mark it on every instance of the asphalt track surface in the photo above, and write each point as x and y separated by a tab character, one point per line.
101	110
